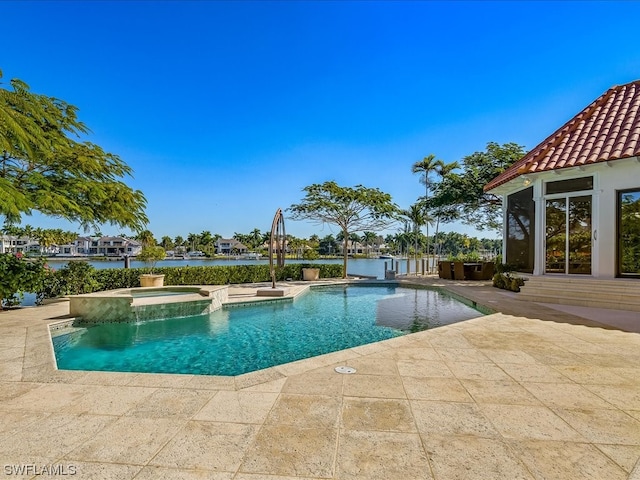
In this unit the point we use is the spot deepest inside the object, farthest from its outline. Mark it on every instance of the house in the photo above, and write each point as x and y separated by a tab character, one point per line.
15	244
572	204
227	246
101	246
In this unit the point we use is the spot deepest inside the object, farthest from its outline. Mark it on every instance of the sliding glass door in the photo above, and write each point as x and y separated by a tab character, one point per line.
568	235
629	233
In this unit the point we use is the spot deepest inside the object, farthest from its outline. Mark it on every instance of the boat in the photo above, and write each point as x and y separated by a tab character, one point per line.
386	257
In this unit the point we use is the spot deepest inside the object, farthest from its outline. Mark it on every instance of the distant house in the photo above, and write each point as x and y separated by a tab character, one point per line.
572	204
228	246
101	247
15	244
353	248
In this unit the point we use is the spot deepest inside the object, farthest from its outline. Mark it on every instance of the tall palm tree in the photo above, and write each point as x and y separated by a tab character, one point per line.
426	167
369	238
417	217
442	170
192	240
206	241
146	238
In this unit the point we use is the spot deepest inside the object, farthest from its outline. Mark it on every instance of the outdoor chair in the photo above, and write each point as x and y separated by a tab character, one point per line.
444	270
485	272
458	270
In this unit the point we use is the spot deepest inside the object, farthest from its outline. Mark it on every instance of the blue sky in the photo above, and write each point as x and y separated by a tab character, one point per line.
226	110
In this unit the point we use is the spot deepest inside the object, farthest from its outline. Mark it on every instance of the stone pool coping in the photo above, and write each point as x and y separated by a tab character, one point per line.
526	393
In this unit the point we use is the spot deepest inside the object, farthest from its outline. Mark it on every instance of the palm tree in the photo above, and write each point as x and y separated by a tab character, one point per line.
146	238
442	170
416	216
206	241
192	239
369	238
255	237
425	168
166	242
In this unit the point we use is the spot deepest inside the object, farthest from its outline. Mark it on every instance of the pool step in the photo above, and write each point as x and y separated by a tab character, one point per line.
618	294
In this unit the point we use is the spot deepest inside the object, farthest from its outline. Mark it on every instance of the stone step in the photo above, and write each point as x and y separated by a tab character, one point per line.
633	306
620	294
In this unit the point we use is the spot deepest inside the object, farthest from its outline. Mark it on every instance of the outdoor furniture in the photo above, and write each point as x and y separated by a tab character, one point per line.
485	271
445	270
458	270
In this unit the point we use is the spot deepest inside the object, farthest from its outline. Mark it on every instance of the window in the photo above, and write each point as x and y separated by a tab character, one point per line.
571	185
521	230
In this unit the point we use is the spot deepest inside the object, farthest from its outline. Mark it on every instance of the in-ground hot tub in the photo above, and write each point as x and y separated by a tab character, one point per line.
147	303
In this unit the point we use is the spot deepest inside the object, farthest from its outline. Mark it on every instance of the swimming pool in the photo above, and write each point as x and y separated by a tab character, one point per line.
241	339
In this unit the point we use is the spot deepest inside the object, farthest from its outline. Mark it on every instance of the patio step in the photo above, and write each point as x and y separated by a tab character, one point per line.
619	294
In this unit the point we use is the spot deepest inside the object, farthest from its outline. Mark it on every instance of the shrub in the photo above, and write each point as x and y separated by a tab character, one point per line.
19	275
506	281
80	277
151	255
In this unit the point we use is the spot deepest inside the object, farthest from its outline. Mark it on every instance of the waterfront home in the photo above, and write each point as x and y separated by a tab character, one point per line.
572	204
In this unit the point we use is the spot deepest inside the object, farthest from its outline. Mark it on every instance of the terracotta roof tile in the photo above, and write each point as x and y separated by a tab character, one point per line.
607	129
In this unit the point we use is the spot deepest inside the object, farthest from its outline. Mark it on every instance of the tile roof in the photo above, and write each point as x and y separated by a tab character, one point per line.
608	129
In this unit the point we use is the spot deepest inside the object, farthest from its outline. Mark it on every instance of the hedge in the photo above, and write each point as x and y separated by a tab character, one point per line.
81	277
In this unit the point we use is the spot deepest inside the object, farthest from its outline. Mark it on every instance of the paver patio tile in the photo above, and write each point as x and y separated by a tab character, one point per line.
529	422
603	426
288	450
550	460
315	383
237	407
506	392
567	395
451	419
462	355
626	456
591	374
48	398
410	353
533	373
472	458
207	445
625	397
171	403
393	415
424	368
305	411
53	436
101	471
127	440
109	400
366	455
442	389
374	366
381	386
163	473
477	371
500	357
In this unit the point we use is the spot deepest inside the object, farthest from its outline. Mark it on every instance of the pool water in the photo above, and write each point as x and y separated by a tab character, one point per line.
242	339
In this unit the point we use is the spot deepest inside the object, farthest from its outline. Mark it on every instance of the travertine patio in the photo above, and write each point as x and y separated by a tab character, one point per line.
498	397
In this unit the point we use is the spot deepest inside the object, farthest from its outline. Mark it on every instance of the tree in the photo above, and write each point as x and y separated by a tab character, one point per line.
43	168
461	196
166	242
416	216
352	209
427	166
146	238
442	170
369	238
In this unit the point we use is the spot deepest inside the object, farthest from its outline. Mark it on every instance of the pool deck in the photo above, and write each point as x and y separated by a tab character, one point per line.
533	392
